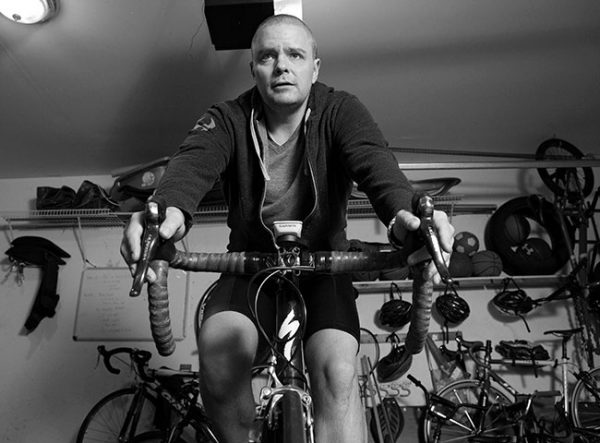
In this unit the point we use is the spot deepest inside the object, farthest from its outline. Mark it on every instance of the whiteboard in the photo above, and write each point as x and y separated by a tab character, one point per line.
105	311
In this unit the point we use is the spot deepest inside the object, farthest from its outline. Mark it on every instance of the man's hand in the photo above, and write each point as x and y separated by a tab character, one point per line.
172	227
407	222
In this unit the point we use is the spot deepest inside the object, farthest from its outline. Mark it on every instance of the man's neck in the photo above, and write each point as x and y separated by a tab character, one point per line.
281	125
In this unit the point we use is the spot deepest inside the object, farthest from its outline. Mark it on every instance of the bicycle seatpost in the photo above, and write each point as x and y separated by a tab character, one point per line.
430	237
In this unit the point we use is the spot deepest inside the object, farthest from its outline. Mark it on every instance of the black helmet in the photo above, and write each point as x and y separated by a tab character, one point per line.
452	307
395	312
513	301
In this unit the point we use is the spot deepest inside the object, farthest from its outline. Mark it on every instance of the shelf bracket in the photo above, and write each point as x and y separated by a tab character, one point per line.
11	233
78	233
382	338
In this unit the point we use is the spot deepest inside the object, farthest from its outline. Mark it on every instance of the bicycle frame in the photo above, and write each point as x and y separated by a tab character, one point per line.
144	411
488	380
284	393
287	387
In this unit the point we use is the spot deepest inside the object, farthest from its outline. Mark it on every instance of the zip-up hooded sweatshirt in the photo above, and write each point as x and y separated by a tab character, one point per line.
343	145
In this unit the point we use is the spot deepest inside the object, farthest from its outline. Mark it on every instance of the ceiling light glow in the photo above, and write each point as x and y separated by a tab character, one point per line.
28	11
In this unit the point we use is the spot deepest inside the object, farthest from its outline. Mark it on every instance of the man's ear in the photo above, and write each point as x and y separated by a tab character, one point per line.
251	64
316	67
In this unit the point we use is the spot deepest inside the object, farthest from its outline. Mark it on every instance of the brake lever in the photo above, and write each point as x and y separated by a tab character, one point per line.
430	237
153	217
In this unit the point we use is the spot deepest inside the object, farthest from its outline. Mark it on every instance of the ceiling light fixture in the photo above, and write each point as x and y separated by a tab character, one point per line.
28	11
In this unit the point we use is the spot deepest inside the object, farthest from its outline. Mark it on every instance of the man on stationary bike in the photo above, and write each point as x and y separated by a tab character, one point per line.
290	148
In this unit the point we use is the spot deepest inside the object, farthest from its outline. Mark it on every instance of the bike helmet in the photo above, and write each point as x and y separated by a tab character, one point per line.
396	363
513	301
395	312
452	307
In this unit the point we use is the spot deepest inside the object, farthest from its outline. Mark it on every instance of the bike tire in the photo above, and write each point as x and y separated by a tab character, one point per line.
104	421
573	183
496	423
585	407
293	420
187	434
157	437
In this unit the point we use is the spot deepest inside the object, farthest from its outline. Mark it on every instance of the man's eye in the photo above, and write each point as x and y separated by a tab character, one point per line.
266	57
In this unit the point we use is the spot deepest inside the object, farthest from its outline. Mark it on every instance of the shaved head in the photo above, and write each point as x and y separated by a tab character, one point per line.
284	19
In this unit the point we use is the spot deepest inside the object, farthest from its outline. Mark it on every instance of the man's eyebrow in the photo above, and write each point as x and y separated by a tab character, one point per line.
296	49
289	49
262	51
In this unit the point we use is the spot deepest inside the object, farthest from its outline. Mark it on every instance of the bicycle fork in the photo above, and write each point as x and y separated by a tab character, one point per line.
286	398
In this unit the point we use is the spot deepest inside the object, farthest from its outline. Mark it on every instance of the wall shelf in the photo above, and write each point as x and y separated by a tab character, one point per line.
64	218
94	218
382	286
508	164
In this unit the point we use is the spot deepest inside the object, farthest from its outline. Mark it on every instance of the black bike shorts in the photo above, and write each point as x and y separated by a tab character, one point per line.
330	301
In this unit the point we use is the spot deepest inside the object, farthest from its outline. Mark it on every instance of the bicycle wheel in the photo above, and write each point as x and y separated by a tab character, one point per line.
573	183
105	421
585	402
158	437
498	425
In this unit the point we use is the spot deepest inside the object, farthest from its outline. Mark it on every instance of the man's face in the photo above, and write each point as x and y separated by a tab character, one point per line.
283	65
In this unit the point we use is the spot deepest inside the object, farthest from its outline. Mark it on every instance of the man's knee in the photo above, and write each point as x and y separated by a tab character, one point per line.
336	380
226	348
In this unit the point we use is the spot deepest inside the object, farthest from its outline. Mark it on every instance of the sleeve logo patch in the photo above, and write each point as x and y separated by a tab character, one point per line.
206	123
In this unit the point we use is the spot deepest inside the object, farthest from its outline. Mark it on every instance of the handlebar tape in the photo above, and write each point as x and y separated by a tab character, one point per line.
421	312
158	308
250	263
335	262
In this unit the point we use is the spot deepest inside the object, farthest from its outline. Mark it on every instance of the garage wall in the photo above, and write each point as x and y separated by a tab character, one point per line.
49	381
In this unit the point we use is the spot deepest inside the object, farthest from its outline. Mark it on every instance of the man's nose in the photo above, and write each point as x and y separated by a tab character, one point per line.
281	64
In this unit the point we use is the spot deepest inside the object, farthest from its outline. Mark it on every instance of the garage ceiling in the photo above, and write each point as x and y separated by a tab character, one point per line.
108	84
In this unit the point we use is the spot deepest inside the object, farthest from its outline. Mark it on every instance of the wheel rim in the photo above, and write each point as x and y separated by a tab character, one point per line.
462	427
573	183
105	423
586	407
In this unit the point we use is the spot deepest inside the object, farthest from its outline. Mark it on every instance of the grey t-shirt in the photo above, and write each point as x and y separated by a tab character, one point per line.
288	191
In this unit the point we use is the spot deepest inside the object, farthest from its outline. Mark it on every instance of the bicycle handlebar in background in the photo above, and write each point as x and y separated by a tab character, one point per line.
138	356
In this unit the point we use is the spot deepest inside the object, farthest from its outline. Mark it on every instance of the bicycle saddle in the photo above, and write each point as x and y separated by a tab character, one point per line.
434	187
566	333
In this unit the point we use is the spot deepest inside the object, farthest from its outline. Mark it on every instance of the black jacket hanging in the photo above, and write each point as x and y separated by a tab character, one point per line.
38	251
